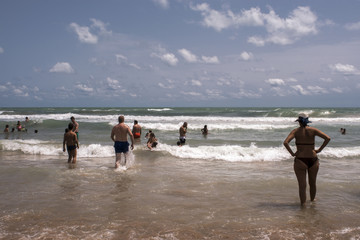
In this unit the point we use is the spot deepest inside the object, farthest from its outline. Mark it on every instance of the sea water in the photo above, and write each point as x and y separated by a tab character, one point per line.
236	183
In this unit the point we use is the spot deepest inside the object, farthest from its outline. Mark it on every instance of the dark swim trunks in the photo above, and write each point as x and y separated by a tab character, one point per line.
121	147
308	161
70	148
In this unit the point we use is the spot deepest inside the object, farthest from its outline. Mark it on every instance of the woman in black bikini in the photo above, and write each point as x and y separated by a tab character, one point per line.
306	155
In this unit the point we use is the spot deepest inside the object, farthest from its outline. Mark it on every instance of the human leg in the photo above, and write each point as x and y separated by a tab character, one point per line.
300	171
313	171
118	160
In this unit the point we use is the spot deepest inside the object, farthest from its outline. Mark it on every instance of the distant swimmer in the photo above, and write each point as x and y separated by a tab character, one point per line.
18	126
136	131
76	127
152	142
306	159
119	136
6	130
343	131
71	142
204	131
182	132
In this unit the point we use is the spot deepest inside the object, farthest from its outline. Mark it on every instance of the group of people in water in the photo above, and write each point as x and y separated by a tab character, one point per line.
306	161
19	127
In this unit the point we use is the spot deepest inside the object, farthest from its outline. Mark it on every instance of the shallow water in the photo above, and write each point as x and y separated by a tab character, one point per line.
238	183
166	198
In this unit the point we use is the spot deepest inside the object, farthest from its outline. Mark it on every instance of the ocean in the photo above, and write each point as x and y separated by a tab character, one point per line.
235	183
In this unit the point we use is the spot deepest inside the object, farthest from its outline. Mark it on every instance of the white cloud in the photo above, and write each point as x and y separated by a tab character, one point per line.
168	58
165	86
213	18
84	88
326	79
134	66
213	59
196	83
101	26
246	94
300	90
338	90
1	50
21	91
62	67
317	90
300	22
246	56
121	59
3	89
162	3
275	82
187	55
84	34
257	41
346	69
113	83
194	94
309	90
353	26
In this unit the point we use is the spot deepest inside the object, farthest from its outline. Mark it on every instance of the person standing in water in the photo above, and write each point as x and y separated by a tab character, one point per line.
136	131
182	132
306	160
76	127
204	130
71	142
119	136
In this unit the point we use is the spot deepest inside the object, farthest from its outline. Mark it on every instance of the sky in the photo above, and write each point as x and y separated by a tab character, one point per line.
179	53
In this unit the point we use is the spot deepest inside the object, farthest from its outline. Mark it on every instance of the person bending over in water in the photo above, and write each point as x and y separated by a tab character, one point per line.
306	159
119	136
152	142
71	141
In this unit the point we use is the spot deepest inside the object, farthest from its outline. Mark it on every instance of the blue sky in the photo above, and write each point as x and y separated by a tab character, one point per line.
179	53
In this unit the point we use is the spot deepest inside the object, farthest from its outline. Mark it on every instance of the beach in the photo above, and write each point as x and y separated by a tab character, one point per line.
236	183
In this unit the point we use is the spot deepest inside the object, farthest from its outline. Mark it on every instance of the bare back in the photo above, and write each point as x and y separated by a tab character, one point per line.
305	141
120	132
136	128
70	139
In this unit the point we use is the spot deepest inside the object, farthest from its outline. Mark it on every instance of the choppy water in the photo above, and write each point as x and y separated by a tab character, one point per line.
236	183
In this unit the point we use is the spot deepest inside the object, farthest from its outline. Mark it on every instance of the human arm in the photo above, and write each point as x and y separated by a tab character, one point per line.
112	136
132	138
290	137
64	144
76	141
323	136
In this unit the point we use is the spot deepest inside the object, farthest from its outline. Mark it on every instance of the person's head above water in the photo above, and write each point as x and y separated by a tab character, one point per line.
121	119
303	119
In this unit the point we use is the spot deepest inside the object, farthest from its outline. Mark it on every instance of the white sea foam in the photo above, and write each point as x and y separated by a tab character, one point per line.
231	153
159	109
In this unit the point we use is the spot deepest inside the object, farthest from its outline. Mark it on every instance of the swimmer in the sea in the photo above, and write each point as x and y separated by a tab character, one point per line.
71	142
119	136
136	130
